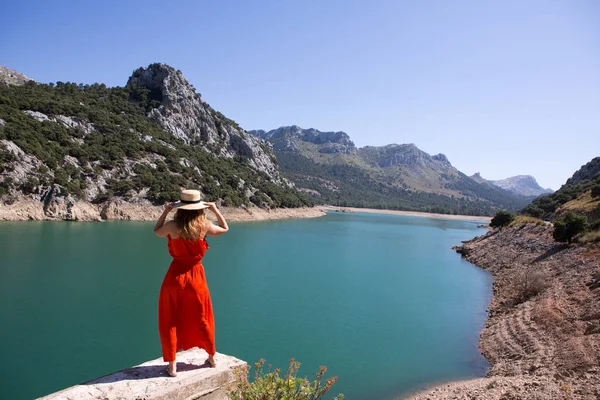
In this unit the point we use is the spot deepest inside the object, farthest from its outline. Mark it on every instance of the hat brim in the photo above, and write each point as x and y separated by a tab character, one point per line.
190	206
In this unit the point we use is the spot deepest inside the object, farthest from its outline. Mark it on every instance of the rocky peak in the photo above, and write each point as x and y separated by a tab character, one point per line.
330	142
587	172
524	185
179	109
403	154
12	77
441	157
308	135
479	179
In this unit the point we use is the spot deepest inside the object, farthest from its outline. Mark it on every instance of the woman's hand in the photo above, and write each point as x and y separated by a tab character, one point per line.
214	230
211	205
169	207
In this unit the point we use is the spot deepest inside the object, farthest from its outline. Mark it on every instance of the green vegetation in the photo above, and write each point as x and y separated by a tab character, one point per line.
113	134
502	218
589	237
584	180
349	185
568	226
596	191
270	386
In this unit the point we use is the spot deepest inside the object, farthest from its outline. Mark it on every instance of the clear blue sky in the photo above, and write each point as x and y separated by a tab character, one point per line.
501	87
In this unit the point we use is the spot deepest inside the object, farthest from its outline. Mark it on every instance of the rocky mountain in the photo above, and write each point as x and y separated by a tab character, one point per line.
524	185
12	77
329	167
286	137
141	144
182	112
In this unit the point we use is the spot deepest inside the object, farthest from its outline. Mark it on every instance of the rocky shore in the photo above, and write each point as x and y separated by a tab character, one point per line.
542	336
66	209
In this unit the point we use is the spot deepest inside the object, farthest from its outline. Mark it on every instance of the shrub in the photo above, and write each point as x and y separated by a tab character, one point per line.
596	191
529	283
533	211
502	218
272	387
595	226
568	226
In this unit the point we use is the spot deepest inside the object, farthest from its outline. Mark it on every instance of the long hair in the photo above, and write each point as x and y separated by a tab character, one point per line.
191	224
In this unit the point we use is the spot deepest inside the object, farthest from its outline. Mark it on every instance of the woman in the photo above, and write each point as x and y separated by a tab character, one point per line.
185	316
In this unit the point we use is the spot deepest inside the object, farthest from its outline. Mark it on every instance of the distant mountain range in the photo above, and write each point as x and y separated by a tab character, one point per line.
330	168
523	185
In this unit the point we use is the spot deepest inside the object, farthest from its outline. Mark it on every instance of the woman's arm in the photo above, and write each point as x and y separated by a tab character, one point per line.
214	230
161	229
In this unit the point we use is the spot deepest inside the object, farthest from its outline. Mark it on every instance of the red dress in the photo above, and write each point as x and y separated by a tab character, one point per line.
185	315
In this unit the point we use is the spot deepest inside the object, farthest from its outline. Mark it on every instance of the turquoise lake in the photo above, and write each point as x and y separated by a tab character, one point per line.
381	300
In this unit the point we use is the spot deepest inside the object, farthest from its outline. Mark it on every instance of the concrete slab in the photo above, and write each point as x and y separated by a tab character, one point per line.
148	381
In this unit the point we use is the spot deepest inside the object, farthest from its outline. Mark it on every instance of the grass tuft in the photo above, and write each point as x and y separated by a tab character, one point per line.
589	237
524	219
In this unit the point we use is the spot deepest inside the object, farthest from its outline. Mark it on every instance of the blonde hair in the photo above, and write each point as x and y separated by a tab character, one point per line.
191	224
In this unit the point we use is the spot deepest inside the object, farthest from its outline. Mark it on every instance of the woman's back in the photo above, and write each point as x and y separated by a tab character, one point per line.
181	247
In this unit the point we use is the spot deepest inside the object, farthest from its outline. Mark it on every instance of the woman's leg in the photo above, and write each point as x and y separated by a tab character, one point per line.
167	320
211	360
172	368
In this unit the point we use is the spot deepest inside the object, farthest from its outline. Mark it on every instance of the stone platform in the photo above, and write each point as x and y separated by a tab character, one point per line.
148	381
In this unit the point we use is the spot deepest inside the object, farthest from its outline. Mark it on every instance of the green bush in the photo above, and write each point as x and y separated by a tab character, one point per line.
596	191
122	133
502	218
595	226
533	211
270	386
568	226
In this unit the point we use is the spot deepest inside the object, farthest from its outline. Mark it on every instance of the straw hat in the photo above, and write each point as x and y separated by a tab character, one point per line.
190	200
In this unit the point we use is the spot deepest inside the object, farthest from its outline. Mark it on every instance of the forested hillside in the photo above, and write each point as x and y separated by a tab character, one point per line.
581	193
141	142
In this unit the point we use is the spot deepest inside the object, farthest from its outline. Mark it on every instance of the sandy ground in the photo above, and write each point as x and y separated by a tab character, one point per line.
409	213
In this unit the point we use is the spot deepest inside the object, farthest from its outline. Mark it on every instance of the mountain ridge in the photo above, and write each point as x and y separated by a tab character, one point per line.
318	162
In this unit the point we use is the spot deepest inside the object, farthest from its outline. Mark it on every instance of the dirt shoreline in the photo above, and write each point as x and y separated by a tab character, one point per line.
28	208
34	210
410	213
542	336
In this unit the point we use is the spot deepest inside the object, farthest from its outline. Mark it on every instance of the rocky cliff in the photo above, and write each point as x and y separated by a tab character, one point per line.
182	112
12	77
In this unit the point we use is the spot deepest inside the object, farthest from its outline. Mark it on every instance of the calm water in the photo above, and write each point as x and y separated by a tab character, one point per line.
381	300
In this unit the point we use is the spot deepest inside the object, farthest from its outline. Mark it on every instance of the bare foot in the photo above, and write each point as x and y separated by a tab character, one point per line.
211	361
171	370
